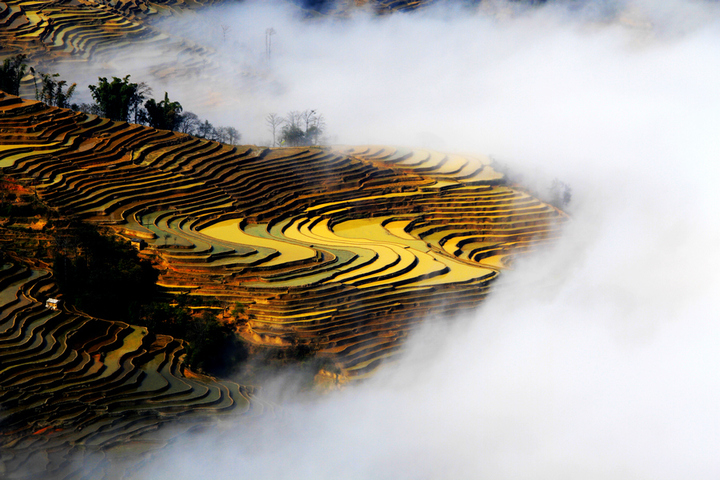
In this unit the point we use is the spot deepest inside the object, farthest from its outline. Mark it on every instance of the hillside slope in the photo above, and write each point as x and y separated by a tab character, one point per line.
84	396
338	251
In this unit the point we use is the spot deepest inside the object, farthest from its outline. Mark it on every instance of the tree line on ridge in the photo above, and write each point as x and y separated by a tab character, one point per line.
117	99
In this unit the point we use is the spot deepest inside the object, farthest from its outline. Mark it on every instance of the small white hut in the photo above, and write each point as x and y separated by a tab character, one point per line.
52	303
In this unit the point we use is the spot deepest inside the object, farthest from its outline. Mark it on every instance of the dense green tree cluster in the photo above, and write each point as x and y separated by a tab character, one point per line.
100	274
11	72
296	128
165	114
117	98
211	345
302	128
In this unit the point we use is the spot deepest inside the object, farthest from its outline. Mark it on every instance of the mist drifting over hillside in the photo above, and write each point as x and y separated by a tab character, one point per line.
596	359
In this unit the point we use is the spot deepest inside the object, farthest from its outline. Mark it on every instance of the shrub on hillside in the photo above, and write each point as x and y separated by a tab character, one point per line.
117	98
100	274
11	72
212	346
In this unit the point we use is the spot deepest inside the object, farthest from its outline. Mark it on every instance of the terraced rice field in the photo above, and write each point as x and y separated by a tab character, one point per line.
341	249
82	30
82	397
